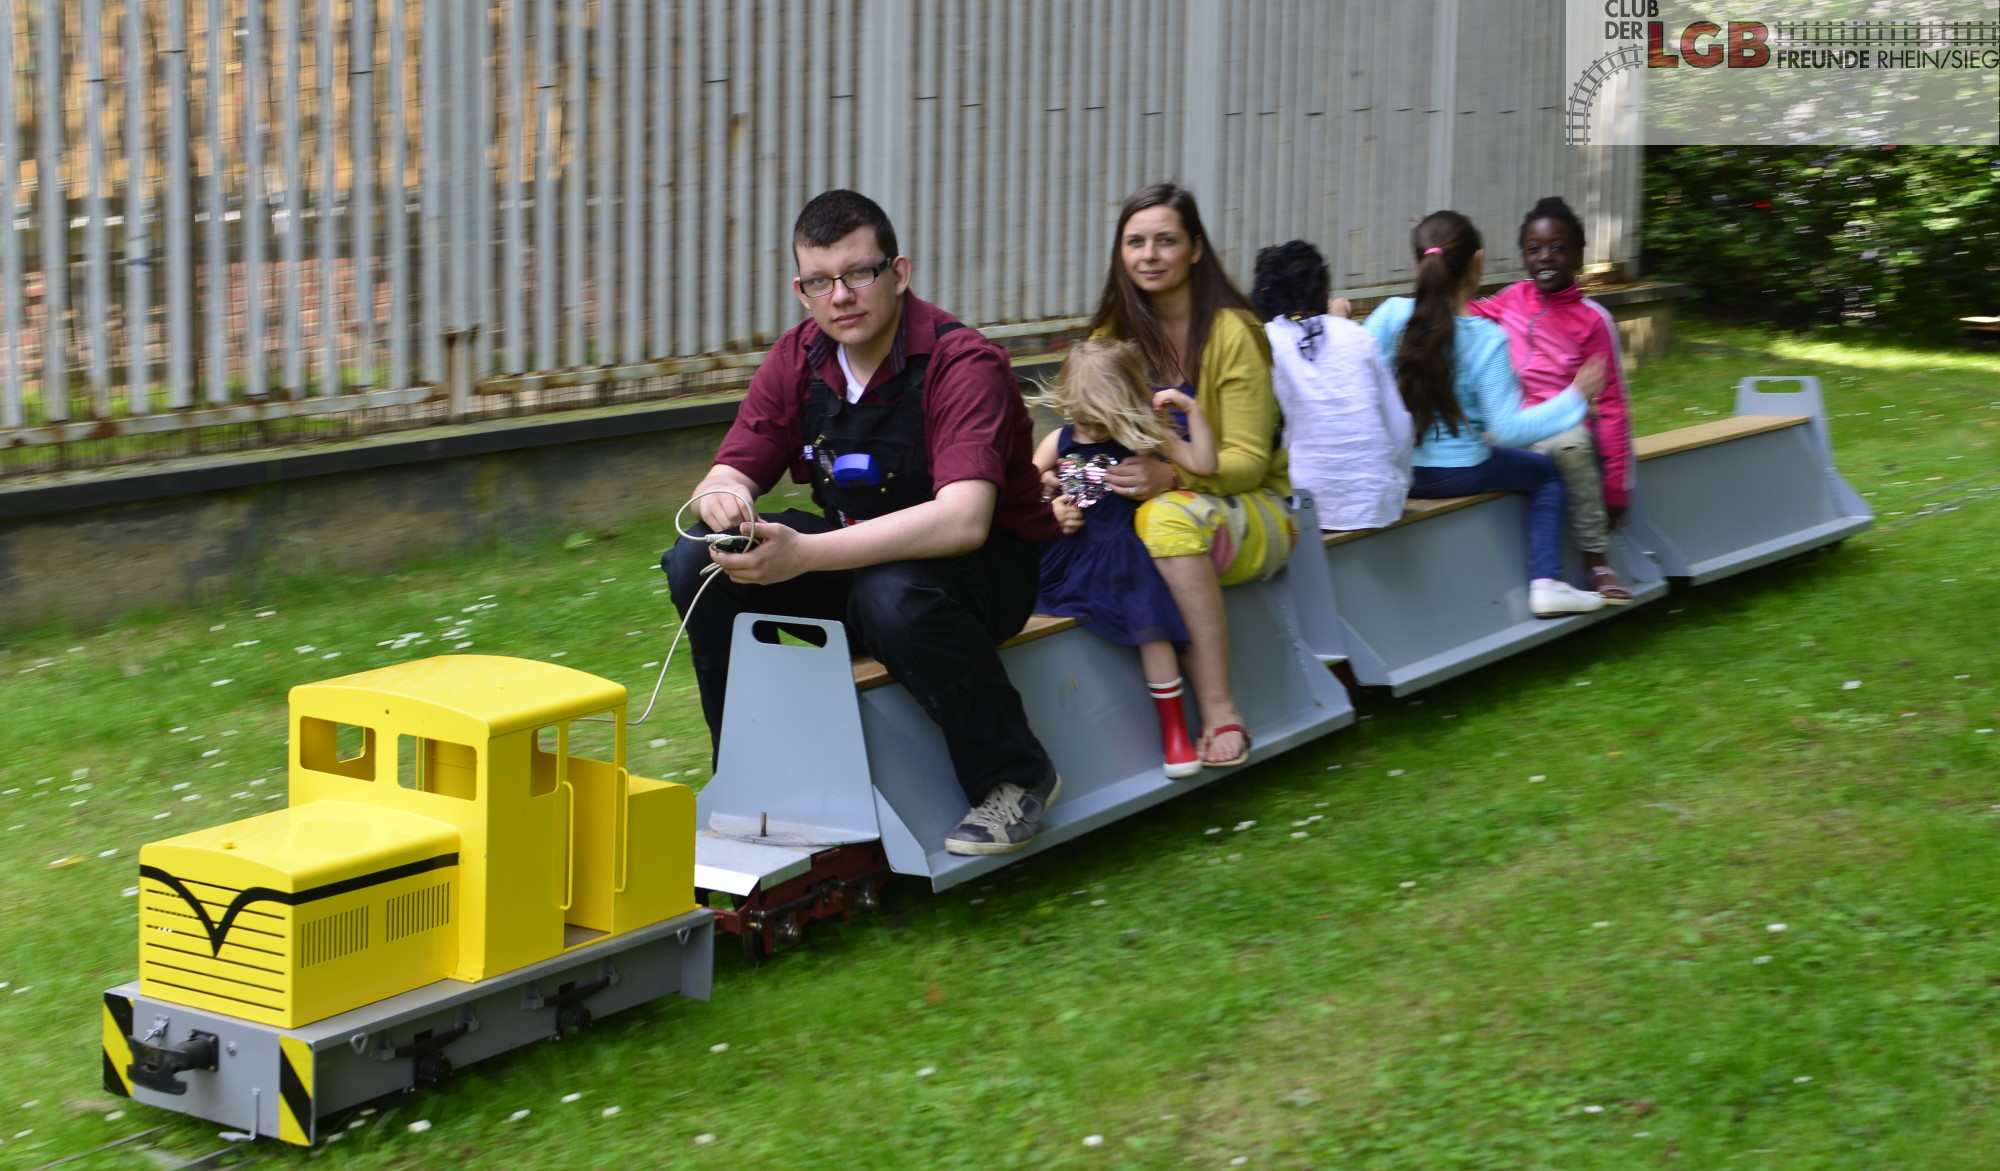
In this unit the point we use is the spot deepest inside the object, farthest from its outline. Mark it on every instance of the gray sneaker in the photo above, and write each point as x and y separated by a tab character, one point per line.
1006	821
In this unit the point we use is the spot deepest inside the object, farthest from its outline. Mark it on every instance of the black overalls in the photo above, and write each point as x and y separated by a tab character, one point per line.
890	430
934	623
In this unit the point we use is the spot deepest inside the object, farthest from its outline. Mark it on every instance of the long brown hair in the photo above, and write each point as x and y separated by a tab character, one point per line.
1126	312
1444	244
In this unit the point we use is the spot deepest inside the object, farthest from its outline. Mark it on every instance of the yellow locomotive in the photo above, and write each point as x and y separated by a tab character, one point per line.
446	845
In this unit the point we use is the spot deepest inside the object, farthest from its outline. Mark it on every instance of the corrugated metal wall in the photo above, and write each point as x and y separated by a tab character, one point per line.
231	210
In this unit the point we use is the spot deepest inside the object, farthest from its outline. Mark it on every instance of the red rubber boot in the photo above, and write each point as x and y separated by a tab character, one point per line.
1182	759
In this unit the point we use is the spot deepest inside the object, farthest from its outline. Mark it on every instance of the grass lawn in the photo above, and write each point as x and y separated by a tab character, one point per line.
1711	886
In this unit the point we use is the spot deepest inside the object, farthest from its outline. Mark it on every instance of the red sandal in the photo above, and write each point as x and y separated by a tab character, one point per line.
1239	758
1603	580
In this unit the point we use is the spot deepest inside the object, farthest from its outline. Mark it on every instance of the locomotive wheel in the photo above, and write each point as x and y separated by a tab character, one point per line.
432	1069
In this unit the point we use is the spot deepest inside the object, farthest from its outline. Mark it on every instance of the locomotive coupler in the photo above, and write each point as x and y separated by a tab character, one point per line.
155	1066
571	1012
429	1066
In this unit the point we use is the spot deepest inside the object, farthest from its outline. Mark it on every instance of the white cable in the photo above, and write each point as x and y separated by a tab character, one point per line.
708	575
752	534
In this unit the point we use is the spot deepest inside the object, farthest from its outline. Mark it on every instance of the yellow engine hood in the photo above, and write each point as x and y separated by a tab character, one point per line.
301	848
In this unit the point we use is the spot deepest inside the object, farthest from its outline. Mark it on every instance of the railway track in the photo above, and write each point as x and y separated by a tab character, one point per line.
220	1157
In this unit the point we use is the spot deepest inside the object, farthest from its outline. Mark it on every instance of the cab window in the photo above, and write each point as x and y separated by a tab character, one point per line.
557	745
437	766
345	750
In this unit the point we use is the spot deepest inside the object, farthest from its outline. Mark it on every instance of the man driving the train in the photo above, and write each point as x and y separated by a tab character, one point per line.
909	427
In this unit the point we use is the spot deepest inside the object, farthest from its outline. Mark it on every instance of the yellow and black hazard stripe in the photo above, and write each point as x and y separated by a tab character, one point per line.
295	1091
117	1045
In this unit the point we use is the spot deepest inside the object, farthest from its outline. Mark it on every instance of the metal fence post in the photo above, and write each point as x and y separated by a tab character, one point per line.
1201	119
468	188
888	31
138	243
97	272
220	300
361	182
291	250
1444	106
11	284
327	140
55	216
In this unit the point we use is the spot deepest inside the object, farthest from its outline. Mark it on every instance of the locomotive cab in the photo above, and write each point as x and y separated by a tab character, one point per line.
448	818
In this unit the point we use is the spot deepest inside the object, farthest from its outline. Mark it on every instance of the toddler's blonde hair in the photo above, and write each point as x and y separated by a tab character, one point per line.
1102	385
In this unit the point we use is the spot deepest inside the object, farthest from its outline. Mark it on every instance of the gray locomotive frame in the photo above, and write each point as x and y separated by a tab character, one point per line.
397	1044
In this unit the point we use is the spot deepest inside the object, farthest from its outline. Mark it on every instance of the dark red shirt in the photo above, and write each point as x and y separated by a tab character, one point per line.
975	425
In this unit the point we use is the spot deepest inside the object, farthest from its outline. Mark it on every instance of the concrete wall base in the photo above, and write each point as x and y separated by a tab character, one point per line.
88	565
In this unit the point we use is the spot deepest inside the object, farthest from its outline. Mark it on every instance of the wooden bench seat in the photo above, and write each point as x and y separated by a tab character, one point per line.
869	673
1414	510
1706	434
1645	447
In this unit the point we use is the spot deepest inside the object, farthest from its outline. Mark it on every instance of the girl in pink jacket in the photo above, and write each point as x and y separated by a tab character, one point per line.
1552	330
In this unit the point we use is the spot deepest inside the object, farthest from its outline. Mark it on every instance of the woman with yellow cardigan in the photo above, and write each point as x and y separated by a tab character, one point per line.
1167	294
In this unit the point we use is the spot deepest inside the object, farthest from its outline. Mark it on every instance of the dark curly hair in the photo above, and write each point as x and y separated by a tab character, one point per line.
1553	208
1292	281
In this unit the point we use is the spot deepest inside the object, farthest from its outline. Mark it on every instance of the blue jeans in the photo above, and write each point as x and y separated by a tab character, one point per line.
1509	469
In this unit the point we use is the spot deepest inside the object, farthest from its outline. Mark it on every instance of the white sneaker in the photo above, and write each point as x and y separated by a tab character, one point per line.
1008	819
1549	598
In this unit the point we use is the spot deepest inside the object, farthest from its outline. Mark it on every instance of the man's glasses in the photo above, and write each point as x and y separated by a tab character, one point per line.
855	280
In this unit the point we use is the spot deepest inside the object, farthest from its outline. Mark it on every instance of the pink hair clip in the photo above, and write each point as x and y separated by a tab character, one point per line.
1432	251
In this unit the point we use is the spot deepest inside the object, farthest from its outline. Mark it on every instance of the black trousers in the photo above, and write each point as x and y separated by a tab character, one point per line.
935	624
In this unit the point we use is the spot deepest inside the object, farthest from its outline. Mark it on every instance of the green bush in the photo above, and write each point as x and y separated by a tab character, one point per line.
1902	239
